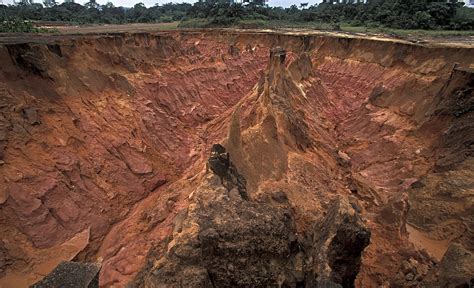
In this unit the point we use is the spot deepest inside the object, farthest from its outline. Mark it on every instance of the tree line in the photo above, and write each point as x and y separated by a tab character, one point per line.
402	14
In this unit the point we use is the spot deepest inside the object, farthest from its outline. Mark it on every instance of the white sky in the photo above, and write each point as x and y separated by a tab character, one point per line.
149	3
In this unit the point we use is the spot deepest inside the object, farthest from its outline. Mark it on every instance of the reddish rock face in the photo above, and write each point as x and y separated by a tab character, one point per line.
111	133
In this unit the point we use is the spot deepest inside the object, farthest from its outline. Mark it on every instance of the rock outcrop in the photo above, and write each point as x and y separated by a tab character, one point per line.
456	269
227	240
71	275
219	162
339	241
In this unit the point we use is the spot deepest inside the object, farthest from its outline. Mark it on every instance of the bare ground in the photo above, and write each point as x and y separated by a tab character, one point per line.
465	41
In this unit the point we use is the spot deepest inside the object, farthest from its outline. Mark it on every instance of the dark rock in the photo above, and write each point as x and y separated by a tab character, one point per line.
456	102
410	276
347	236
236	246
327	284
29	58
5	260
193	50
217	149
278	53
3	133
234	179
280	197
249	48
3	146
233	50
72	275
219	161
456	269
31	115
413	269
56	49
417	184
121	83
356	207
379	96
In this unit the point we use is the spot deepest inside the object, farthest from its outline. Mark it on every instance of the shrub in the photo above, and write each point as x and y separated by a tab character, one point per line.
16	25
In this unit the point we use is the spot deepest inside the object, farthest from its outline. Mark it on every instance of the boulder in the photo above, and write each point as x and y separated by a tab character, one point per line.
456	269
31	115
339	241
72	275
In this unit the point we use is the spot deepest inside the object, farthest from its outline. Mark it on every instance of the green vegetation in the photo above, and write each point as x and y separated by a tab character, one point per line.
92	13
17	25
377	15
397	14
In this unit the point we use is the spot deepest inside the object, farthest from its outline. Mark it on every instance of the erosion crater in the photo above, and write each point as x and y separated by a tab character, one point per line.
336	154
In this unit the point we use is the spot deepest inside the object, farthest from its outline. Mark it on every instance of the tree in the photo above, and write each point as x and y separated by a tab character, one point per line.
92	4
407	14
49	3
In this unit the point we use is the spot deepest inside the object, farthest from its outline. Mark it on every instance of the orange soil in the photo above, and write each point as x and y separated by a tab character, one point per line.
126	122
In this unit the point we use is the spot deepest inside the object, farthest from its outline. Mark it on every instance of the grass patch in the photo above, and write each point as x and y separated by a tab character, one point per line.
194	23
405	32
255	24
168	25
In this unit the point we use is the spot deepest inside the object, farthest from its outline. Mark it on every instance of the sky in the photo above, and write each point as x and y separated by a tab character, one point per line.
149	3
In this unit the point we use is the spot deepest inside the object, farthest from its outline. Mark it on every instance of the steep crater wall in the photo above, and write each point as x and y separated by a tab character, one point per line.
104	137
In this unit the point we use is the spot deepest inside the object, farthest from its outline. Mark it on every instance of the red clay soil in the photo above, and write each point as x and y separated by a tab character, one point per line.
104	137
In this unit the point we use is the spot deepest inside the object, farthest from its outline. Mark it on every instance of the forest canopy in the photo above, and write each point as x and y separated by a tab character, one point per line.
399	14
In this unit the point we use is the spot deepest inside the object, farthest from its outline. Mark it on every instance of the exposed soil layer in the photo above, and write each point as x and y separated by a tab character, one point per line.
104	143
